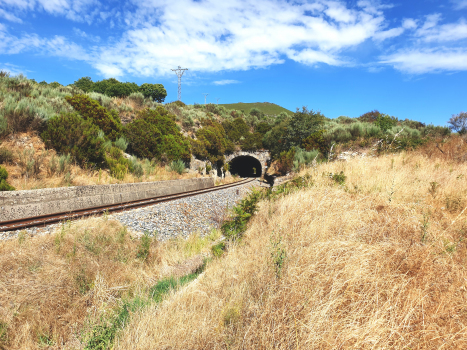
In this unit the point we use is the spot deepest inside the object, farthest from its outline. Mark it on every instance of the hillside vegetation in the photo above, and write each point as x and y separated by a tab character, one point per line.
123	130
267	108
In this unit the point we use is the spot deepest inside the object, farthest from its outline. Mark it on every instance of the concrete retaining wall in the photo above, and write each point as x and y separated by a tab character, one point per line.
21	204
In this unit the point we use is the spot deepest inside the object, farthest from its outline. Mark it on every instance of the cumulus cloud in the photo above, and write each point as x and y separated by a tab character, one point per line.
203	36
225	82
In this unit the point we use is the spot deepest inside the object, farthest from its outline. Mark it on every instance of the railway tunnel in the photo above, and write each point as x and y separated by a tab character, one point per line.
245	166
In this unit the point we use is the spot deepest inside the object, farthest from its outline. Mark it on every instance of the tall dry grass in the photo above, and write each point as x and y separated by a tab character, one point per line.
376	263
55	287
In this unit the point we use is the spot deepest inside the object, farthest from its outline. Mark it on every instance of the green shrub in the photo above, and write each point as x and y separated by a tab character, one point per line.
136	167
285	161
121	143
4	186
71	134
144	247
154	133
6	156
218	249
252	142
242	212
137	97
235	129
177	166
316	141
91	110
385	122
212	143
303	157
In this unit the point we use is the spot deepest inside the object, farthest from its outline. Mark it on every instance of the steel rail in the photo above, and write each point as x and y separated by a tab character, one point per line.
48	219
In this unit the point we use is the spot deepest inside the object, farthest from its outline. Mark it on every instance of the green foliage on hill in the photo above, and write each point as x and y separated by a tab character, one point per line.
154	134
108	122
114	88
212	143
71	134
265	107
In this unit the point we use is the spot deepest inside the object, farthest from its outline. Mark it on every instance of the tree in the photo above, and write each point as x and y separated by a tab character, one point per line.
302	124
458	122
156	92
85	83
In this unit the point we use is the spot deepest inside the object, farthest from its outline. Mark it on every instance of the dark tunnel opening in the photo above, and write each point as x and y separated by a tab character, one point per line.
245	166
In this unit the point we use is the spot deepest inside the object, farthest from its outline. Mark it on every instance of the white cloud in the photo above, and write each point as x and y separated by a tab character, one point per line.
83	34
76	10
225	82
431	31
459	4
428	60
203	36
9	17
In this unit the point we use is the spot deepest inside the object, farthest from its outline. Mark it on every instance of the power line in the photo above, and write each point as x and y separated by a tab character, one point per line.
179	71
205	95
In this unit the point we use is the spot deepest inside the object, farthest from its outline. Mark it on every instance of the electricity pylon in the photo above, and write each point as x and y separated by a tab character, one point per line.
179	71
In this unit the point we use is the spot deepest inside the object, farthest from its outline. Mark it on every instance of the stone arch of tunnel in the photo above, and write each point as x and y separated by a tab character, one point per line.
245	166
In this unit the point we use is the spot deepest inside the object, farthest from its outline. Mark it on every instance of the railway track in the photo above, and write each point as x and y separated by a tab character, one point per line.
45	220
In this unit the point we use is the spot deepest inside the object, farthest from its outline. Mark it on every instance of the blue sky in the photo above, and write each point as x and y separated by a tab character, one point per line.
407	58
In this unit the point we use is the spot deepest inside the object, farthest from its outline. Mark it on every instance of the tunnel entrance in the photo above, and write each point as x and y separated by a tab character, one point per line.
245	166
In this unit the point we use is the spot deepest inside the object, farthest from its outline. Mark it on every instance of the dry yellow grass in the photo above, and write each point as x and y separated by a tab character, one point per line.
379	263
52	286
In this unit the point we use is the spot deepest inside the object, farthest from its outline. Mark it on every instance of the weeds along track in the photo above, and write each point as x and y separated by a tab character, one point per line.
114	208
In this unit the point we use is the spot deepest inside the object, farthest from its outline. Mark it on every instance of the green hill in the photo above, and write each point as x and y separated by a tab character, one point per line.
265	107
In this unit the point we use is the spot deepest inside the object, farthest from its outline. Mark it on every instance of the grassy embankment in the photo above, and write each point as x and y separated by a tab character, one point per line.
373	260
76	288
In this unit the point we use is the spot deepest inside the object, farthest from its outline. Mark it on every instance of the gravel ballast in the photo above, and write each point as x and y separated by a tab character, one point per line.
181	217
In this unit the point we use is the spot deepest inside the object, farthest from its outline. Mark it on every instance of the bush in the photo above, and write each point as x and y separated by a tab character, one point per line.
252	142
234	228
155	133
4	186
285	161
262	127
137	97
385	122
71	134
316	141
6	156
370	117
108	122
121	143
212	143
303	157
236	129
177	166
